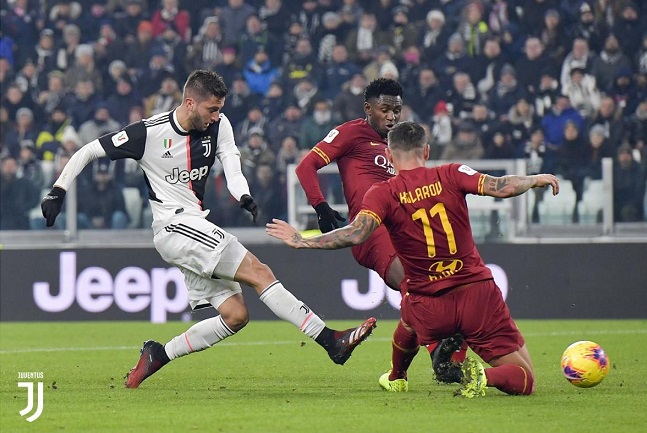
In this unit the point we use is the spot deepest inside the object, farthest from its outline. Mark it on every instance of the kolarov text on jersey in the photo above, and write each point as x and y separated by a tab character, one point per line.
176	163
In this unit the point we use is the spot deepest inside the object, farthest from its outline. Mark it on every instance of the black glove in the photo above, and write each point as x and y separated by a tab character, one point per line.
248	203
327	218
51	204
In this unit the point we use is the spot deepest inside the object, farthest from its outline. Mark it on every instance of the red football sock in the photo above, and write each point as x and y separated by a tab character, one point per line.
459	356
511	379
405	347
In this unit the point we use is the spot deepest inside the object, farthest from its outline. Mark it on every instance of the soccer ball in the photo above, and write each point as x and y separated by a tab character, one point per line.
585	364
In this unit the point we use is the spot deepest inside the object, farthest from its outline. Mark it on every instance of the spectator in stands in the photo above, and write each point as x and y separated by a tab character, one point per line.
424	93
66	52
233	17
260	73
17	196
109	47
349	104
452	61
487	66
441	130
254	152
330	34
553	124
640	58
530	66
554	36
169	16
101	203
150	78
117	70
624	92
465	146
521	120
21	24
609	118
176	52
533	15
62	13
473	29
84	68
534	151
275	17
628	27
597	149
301	65
81	104
546	94
590	29
609	61
305	93
628	187
29	165
138	52
206	50
572	154
15	99
22	130
409	66
165	99
461	97
363	40
100	124
289	153
54	95
382	56
579	57
239	100
49	137
637	126
256	38
583	92
500	146
338	72
401	32
316	125
30	80
229	67
267	193
505	93
126	23
255	120
309	16
120	102
288	124
433	38
274	102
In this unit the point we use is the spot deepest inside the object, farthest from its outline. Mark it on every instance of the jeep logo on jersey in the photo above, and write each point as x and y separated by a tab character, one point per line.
185	176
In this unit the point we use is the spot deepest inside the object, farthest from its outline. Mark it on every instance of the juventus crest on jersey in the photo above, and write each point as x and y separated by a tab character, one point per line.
176	163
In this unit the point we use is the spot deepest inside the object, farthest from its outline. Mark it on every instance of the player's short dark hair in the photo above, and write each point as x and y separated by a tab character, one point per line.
407	136
202	84
382	86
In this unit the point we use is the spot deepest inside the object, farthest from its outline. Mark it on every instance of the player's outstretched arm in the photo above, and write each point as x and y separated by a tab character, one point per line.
511	186
353	234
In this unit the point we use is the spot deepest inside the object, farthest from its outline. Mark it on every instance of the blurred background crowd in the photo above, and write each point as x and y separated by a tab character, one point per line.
560	83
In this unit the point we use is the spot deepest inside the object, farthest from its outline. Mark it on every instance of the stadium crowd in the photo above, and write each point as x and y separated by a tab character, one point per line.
562	84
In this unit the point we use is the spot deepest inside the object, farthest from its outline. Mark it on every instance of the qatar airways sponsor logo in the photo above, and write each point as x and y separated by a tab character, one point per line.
381	161
94	290
378	291
185	176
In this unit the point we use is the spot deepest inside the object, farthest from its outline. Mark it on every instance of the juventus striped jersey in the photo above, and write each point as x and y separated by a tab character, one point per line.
176	163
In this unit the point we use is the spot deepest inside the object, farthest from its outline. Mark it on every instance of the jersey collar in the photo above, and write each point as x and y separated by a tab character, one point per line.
176	125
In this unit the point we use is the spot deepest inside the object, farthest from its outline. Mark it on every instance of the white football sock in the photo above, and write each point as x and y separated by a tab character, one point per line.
287	307
200	336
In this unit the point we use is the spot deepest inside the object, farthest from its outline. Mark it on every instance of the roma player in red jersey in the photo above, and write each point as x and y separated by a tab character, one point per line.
448	288
358	146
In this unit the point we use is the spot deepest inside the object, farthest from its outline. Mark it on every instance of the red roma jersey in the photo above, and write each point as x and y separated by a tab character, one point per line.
360	155
426	215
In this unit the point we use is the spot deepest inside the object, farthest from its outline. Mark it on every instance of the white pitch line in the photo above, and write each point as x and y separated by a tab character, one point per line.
275	343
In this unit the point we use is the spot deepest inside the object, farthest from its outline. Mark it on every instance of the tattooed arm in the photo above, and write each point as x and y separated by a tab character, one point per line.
353	234
511	186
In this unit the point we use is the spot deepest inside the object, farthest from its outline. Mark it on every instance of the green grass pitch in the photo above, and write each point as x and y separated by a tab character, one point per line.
270	378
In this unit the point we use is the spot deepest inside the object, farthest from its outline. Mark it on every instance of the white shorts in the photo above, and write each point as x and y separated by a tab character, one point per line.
207	255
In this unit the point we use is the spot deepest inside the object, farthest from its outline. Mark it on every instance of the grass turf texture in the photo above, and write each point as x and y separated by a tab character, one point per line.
270	378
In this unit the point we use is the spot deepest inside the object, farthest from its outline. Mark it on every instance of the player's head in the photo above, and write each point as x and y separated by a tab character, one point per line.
407	140
383	104
203	97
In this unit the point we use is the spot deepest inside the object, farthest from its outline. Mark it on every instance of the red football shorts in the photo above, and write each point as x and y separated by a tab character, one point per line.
477	310
376	252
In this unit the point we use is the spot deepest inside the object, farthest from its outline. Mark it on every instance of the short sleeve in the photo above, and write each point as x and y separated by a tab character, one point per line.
129	142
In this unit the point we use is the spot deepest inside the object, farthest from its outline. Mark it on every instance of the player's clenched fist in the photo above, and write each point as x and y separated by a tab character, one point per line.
51	204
